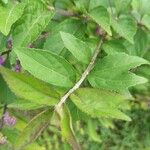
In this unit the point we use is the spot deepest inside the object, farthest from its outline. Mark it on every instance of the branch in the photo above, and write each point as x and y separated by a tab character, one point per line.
83	77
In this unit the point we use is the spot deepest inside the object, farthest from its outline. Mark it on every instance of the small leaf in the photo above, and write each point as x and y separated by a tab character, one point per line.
99	103
77	47
126	27
34	20
112	72
113	47
34	128
67	128
47	66
28	87
9	14
72	26
101	16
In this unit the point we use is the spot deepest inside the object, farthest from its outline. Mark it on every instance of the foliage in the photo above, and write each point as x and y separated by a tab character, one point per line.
73	69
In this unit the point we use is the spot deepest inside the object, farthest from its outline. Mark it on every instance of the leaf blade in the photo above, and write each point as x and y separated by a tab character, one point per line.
30	134
101	16
118	65
30	88
53	68
99	103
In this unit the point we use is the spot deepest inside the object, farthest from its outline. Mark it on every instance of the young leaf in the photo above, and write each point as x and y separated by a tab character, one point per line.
72	26
77	47
101	16
35	19
66	127
47	66
113	47
99	103
28	87
125	26
112	72
34	128
9	14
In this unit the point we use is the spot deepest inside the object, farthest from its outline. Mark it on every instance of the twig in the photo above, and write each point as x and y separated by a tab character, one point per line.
83	77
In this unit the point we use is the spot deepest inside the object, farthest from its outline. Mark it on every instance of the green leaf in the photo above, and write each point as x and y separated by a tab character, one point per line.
141	43
95	3
78	48
92	131
122	6
101	16
146	20
141	6
47	66
67	128
9	14
28	87
2	42
113	47
112	72
125	26
35	19
6	96
72	26
34	128
26	105
99	103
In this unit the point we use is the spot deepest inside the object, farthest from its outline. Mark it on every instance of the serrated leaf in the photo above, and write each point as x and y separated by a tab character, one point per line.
101	16
47	66
113	47
67	128
112	72
34	128
28	87
35	19
72	26
78	48
125	26
9	14
99	103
